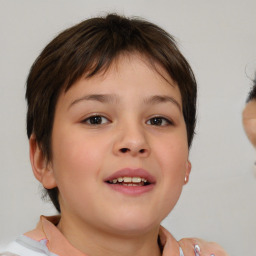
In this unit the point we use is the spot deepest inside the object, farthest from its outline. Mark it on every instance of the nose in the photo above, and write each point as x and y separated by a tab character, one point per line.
131	140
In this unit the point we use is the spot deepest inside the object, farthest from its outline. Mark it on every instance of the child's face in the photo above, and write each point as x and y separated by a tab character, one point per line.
125	123
249	121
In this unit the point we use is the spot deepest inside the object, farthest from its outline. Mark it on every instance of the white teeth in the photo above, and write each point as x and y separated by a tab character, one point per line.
129	180
136	179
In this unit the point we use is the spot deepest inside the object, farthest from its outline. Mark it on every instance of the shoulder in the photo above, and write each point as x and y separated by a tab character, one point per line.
25	246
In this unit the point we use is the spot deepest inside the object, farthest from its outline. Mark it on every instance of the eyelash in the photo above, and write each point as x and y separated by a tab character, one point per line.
95	120
161	119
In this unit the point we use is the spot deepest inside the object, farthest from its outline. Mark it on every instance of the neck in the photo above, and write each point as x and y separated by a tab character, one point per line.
97	242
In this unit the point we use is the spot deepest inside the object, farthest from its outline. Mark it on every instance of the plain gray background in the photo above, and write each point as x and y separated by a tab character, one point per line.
219	40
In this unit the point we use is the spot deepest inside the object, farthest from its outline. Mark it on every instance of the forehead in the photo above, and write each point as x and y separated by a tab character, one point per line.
134	67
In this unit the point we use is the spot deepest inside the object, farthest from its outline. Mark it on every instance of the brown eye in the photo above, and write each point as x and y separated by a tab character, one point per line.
95	120
159	121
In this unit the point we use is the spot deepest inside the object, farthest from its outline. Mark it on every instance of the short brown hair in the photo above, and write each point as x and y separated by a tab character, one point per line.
89	48
252	93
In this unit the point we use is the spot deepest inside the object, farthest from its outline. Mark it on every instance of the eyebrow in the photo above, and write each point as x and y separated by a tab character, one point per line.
103	98
162	99
113	98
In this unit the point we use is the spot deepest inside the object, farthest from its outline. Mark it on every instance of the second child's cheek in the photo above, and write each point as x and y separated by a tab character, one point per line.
250	129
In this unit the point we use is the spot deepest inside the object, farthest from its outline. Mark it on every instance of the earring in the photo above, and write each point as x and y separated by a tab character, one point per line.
186	179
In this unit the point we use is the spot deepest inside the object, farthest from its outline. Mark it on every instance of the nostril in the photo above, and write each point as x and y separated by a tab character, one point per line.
124	150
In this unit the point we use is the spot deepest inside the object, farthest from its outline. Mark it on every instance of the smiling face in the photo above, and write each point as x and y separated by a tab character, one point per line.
120	152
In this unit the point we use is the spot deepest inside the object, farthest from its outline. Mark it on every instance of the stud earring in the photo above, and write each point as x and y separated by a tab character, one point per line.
186	179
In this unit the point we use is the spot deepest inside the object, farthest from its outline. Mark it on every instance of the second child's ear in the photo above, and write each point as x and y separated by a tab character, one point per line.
41	168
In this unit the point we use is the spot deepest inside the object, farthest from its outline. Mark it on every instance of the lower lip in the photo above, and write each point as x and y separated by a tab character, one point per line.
131	190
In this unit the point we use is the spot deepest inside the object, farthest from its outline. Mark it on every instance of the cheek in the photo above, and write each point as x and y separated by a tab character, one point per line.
173	159
76	166
75	157
250	129
173	156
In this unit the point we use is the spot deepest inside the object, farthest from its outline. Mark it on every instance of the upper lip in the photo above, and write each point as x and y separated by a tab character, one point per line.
132	172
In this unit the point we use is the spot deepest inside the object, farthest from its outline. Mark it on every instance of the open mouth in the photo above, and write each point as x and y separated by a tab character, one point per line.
129	181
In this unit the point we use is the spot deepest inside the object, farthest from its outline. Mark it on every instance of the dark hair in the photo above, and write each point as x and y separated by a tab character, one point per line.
89	48
252	93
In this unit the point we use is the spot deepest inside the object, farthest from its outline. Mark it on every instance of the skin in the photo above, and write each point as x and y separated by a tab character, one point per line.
249	121
84	154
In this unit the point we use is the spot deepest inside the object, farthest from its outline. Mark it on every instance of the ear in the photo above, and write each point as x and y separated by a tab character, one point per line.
187	173
42	170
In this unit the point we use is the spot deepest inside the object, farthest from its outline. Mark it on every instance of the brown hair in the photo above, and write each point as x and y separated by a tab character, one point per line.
252	93
89	48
